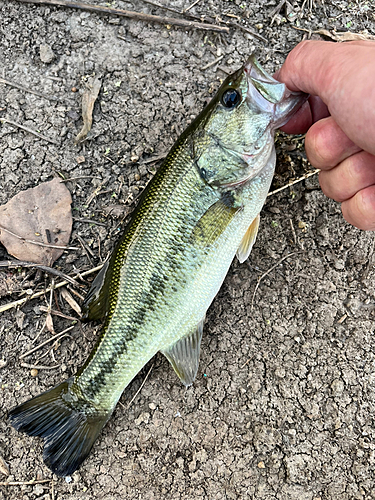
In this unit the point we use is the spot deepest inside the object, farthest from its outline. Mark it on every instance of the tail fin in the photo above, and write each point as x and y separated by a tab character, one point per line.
68	424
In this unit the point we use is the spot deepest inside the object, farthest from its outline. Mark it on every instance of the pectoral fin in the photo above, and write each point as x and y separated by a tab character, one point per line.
248	240
214	222
184	355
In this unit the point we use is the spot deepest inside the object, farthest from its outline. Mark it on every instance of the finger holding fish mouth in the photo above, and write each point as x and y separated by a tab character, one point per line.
339	121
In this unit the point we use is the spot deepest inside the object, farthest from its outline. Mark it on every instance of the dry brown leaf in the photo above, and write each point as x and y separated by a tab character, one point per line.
88	100
346	36
36	221
4	469
49	323
73	304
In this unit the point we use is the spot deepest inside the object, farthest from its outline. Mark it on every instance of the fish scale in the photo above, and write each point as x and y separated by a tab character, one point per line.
199	211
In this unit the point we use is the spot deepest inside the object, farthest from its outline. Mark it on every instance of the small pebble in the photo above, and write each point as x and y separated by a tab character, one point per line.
74	89
261	465
80	159
137	177
34	372
46	54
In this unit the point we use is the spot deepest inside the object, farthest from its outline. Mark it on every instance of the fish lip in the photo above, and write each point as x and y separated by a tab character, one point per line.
285	103
254	70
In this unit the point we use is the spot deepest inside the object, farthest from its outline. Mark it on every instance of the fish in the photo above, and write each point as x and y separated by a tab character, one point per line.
200	210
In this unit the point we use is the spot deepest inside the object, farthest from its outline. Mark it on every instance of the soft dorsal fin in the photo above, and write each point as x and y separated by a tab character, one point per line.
248	240
94	306
184	355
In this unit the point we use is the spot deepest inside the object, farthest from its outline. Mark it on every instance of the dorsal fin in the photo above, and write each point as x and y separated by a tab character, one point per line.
94	306
248	240
184	355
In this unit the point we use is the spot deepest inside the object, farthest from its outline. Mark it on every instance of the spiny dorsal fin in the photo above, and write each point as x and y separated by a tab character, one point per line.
94	306
248	240
184	355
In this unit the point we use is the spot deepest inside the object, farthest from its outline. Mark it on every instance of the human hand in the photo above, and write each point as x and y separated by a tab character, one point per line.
340	119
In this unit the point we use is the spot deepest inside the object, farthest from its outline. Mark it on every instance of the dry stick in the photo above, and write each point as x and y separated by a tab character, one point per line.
293	232
191	6
49	270
31	131
212	63
192	16
39	367
267	272
139	16
21	483
90	221
140	388
57	313
247	30
19	302
47	342
306	176
25	89
36	242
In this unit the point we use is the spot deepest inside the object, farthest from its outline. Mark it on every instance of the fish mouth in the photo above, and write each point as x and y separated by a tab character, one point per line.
270	95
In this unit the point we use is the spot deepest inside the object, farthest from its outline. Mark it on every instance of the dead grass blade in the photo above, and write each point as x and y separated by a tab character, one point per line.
346	36
88	100
19	302
30	130
138	16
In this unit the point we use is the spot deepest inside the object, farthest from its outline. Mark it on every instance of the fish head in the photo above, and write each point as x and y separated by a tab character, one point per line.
236	130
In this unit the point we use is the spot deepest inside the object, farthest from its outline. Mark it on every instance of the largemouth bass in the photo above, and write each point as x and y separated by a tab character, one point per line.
199	211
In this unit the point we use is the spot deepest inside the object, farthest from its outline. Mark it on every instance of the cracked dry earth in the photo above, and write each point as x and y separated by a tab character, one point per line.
283	404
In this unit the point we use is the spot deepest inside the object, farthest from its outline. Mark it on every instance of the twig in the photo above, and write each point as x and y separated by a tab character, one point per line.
277	9
90	221
39	367
57	313
36	242
25	89
191	6
31	131
49	270
267	272
306	176
80	177
140	388
246	362
139	16
47	342
19	302
293	231
369	263
247	30
21	483
162	7
212	63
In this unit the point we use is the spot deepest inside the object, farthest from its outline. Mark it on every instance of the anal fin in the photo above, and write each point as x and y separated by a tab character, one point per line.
248	240
184	355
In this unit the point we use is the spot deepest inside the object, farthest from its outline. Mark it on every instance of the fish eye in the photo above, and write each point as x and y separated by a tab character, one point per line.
230	98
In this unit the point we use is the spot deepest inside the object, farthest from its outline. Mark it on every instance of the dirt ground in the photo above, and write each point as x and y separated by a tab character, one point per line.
283	404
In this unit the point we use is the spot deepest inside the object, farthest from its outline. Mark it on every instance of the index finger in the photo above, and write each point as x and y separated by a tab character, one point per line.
342	75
